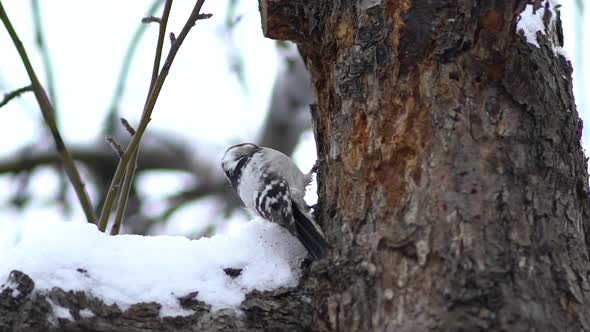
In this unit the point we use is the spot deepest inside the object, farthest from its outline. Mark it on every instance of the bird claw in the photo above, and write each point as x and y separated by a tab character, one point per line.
314	169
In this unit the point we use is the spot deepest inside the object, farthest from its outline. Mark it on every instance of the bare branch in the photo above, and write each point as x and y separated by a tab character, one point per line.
116	147
124	195
123	74
288	115
127	126
146	115
215	187
151	19
101	158
132	166
41	45
13	94
204	16
48	115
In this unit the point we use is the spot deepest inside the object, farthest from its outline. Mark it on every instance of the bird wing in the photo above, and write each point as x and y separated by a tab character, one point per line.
273	203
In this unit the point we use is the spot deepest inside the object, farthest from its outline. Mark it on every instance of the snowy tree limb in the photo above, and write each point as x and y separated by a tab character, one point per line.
23	308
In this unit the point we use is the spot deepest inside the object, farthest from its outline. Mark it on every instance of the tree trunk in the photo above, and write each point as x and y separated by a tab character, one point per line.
453	187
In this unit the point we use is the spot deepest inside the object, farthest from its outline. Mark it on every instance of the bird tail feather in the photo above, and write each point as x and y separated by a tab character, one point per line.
308	234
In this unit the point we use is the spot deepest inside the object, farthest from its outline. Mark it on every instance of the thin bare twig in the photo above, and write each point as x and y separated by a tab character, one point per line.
123	197
47	66
204	16
124	73
116	146
49	79
132	166
150	19
13	94
127	126
48	115
146	115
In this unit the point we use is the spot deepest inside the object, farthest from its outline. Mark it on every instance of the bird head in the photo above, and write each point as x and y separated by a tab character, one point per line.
234	154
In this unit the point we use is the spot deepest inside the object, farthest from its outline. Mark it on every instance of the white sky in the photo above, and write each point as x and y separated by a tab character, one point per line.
201	100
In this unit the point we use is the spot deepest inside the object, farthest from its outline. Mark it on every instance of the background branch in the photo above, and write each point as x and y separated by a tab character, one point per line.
167	156
146	116
49	78
132	166
150	19
116	147
47	111
41	45
288	115
13	94
113	114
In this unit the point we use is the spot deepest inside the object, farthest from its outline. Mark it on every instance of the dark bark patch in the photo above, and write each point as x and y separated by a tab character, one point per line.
143	310
417	36
283	20
371	27
492	21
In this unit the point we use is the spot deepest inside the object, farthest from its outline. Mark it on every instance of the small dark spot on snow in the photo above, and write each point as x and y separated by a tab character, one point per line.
83	271
188	299
232	273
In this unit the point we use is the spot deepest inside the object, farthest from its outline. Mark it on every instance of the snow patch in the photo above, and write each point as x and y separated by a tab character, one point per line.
10	284
531	21
86	313
60	312
128	269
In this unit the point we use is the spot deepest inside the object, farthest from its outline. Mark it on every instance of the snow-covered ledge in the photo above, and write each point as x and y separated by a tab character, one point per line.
70	274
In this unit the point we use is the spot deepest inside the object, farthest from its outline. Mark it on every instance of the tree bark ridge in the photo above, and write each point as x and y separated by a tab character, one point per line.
453	185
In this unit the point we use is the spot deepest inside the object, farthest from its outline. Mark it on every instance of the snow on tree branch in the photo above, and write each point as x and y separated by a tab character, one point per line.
129	269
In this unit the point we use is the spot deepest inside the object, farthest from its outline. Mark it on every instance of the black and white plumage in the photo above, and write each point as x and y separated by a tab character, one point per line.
272	186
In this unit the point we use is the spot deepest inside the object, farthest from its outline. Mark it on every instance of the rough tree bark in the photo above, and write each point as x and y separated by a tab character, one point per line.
453	187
